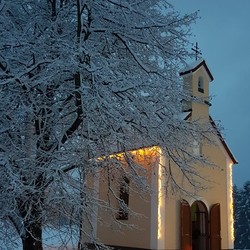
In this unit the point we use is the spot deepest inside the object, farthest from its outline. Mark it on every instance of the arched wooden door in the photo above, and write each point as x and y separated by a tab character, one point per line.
196	218
200	229
215	227
186	226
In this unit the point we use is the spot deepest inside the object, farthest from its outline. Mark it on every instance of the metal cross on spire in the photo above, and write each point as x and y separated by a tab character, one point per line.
197	51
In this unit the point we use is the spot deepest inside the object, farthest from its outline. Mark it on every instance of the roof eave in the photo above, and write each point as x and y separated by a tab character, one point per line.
230	154
193	69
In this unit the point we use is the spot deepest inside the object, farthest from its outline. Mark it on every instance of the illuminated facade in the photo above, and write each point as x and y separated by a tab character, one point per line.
203	221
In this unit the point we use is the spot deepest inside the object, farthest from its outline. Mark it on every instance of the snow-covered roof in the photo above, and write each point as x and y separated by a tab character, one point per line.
192	67
185	115
229	152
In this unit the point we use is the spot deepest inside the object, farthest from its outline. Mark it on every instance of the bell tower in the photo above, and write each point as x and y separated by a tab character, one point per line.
196	79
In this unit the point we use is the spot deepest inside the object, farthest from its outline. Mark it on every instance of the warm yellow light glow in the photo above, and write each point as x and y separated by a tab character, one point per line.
138	153
160	199
231	211
141	155
159	234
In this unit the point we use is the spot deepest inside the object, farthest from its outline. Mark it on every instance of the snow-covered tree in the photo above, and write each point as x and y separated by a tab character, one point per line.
79	80
237	203
242	216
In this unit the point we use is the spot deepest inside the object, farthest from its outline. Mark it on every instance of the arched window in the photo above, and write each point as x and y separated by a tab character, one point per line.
200	85
124	199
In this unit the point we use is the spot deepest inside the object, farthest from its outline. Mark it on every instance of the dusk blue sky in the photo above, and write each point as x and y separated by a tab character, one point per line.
223	34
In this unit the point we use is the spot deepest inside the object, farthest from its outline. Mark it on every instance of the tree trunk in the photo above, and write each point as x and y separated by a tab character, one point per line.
33	237
32	222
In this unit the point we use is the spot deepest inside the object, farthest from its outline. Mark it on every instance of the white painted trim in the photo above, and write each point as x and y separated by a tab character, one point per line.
199	198
161	218
154	208
230	204
229	198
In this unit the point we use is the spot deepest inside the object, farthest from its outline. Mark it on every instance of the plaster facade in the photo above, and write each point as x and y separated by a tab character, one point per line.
155	222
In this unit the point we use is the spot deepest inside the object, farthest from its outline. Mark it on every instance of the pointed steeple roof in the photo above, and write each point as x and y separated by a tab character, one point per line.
196	65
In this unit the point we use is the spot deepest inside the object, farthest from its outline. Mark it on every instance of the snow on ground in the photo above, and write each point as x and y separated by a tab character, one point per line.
51	240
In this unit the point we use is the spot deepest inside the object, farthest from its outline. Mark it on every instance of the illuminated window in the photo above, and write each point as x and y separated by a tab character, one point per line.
200	85
124	200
